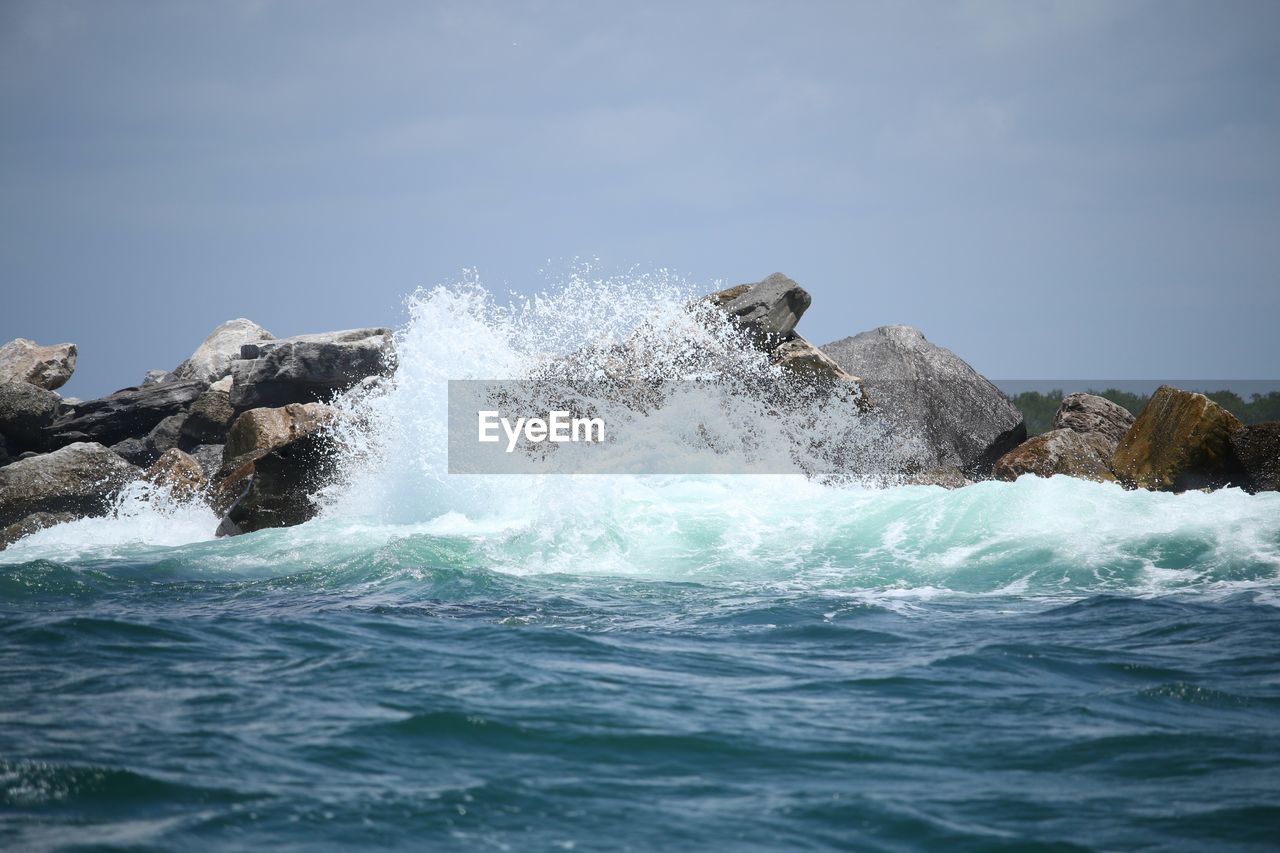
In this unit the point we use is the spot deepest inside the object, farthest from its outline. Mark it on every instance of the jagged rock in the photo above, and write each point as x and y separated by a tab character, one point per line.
929	395
131	413
78	479
1257	447
135	451
49	367
770	308
32	523
208	419
154	377
166	434
306	368
1180	441
274	488
1089	413
800	357
26	410
266	428
179	472
210	458
1060	451
223	384
212	360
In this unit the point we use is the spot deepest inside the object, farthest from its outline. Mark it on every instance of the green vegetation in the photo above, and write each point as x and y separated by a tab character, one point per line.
1039	408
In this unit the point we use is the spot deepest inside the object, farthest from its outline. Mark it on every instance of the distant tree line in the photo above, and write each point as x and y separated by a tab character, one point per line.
1039	409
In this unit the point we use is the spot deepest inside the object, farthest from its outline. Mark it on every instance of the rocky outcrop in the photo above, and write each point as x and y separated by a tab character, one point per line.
930	397
274	489
1180	441
212	360
266	428
770	308
26	411
154	377
78	479
177	471
131	413
49	367
1257	448
1089	413
1061	451
307	368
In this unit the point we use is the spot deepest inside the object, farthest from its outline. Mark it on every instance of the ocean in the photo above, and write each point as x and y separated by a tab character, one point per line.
642	663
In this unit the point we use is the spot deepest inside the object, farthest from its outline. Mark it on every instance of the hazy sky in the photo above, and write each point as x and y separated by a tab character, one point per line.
1051	189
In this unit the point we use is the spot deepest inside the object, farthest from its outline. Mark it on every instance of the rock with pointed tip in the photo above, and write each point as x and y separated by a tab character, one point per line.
1180	441
26	411
48	367
131	413
213	359
308	368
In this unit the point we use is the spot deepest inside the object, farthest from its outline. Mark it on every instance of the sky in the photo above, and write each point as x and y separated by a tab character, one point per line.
1051	188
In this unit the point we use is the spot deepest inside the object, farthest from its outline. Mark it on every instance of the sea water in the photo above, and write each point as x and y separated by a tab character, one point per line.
648	663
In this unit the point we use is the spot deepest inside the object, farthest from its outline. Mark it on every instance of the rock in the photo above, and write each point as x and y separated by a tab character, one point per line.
135	451
223	384
770	308
71	402
267	428
947	476
78	479
179	472
274	489
308	367
1180	441
4	450
930	395
23	360
1257	447
208	419
32	523
166	434
210	458
154	377
131	413
212	360
26	411
1089	413
800	357
1060	451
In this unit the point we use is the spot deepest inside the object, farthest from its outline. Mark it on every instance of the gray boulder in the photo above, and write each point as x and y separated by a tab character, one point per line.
1089	413
153	377
23	360
1258	449
26	410
932	398
131	413
307	368
770	308
210	458
208	419
212	360
79	479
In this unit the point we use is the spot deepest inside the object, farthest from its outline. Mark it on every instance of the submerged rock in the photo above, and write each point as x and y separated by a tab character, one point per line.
131	413
307	368
946	476
1257	447
179	472
1180	441
770	308
48	367
930	396
26	411
1089	413
212	360
78	479
1060	451
32	523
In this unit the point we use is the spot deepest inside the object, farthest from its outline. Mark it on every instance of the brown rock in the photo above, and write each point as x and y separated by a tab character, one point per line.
1089	413
178	471
947	476
1060	451
1181	441
1258	449
23	360
266	428
274	487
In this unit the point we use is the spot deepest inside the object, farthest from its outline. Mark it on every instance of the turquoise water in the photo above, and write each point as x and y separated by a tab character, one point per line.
717	664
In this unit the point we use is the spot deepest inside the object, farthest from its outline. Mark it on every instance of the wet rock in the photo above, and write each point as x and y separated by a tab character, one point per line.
131	413
180	472
307	368
947	476
930	397
135	451
210	458
208	419
32	523
1180	441
213	359
26	411
1060	451
274	487
802	358
48	367
1257	447
1089	413
78	479
267	428
770	308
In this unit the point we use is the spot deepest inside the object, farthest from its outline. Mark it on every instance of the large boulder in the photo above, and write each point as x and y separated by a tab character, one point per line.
49	367
1061	451
213	358
1257	447
931	398
131	413
79	479
770	308
208	419
307	368
1089	413
36	521
274	487
26	410
266	428
177	471
1180	441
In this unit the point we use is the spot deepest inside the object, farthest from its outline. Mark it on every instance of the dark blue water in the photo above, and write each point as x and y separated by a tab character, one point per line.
409	696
